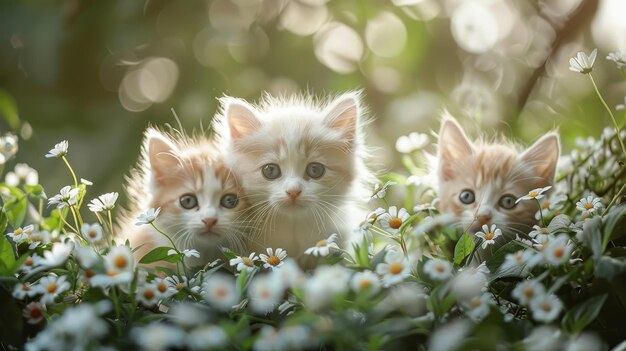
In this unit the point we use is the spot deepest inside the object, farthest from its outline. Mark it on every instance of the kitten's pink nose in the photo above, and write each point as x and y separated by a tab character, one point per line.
294	193
209	222
484	218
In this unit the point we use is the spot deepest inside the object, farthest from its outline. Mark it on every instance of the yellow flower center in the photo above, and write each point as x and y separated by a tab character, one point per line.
322	243
529	292
365	284
221	292
26	287
559	252
544	231
89	273
120	262
546	205
179	286
29	261
18	231
489	236
395	222
92	233
439	268
396	268
533	194
162	287
475	302
247	261
52	288
546	307
148	294
273	260
588	206
35	313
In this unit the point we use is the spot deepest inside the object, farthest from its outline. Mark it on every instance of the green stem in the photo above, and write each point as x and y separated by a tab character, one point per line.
71	170
116	305
619	137
174	247
110	223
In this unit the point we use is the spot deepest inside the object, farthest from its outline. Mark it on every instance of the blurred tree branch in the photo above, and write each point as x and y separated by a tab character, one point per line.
579	19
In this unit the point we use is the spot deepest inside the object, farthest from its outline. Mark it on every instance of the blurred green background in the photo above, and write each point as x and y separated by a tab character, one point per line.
98	72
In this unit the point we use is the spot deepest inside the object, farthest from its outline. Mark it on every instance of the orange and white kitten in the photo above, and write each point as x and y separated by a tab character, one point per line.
198	195
479	182
301	166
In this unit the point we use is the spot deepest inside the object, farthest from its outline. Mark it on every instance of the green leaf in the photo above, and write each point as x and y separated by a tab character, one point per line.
584	313
592	236
242	280
159	254
8	110
16	211
7	256
35	191
165	270
3	220
495	261
463	248
611	220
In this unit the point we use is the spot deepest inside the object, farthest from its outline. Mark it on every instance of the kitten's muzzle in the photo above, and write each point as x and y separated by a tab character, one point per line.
293	194
209	222
483	218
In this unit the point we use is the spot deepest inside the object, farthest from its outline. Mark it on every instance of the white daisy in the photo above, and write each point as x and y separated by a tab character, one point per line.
265	292
381	191
207	337
57	256
92	232
220	291
290	274
528	290
438	269
33	312
59	150
409	143
39	237
148	294
22	174
119	260
517	259
395	268
159	337
148	217
104	202
51	286
583	63
244	262
489	235
392	220
546	308
618	57
322	248
551	206
365	283
273	259
22	290
621	107
67	196
30	263
557	251
186	252
589	204
20	235
163	288
477	307
176	283
470	282
8	147
539	234
86	256
325	285
534	194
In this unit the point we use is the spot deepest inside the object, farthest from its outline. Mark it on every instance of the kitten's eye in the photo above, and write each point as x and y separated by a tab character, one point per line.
315	170
271	171
229	201
507	202
188	201
467	197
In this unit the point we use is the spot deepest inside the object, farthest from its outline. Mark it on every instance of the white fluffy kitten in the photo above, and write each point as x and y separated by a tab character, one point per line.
198	196
301	165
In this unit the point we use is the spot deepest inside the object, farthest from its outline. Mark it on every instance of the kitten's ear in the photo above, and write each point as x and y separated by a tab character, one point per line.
454	146
241	117
342	115
162	153
543	156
